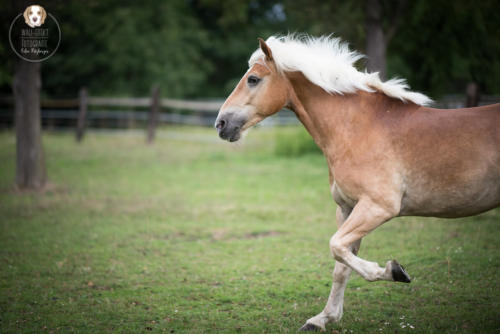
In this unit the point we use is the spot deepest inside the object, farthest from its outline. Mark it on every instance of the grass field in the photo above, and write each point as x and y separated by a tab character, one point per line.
200	236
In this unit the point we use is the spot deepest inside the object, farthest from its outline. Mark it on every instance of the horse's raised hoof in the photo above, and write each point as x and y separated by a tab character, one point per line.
309	328
398	272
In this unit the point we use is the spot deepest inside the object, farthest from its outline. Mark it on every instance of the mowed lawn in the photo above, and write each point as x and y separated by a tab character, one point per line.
195	235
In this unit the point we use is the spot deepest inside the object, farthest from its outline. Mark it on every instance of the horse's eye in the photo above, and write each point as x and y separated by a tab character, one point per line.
253	80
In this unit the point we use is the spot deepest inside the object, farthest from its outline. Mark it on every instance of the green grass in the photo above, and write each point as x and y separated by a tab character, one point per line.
294	141
195	236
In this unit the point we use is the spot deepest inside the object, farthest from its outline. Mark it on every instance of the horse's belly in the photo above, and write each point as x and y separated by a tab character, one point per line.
463	200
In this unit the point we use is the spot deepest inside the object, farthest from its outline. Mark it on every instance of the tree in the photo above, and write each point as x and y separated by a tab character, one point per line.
377	40
124	48
443	45
199	48
30	164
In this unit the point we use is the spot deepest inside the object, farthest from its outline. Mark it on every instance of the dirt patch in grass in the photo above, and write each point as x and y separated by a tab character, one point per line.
223	234
262	234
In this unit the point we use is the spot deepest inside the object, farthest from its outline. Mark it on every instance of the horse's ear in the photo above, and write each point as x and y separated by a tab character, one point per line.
265	48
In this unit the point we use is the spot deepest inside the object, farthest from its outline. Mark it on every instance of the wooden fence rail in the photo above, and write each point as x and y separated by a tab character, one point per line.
85	109
210	106
129	102
154	103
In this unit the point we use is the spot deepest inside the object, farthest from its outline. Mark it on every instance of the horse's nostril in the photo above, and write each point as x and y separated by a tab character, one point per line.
221	124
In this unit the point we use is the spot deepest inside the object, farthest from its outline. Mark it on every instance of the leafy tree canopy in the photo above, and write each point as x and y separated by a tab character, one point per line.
200	48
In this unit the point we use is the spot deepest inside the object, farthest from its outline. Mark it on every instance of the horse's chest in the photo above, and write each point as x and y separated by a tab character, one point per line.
380	182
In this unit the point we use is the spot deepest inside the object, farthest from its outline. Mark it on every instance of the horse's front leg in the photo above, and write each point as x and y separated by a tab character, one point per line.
364	218
334	306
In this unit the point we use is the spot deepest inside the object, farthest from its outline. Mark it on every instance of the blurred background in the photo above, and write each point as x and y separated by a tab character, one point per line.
198	49
119	58
122	211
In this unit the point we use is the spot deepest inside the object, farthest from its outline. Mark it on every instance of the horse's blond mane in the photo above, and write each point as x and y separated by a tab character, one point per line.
328	63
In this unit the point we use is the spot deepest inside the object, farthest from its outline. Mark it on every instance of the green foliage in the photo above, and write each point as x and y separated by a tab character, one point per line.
188	48
5	74
200	48
294	141
442	45
344	19
124	50
204	237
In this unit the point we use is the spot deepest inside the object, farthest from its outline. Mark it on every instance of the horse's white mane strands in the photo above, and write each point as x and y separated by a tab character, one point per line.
328	63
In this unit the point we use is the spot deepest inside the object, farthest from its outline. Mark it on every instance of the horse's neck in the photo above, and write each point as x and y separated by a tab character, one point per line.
327	117
336	121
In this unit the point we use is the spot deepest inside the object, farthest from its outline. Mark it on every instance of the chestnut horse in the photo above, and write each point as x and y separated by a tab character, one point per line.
388	155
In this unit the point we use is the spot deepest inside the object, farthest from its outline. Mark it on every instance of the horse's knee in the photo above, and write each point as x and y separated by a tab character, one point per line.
337	249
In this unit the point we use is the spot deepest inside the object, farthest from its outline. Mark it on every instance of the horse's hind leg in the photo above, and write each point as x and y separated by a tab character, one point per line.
364	218
334	307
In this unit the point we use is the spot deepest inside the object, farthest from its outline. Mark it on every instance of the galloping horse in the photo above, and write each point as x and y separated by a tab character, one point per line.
388	154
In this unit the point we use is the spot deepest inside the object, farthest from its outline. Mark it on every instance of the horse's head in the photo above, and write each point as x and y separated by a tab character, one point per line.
261	92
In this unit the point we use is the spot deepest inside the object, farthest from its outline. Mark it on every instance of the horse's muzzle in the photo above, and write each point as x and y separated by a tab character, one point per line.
229	126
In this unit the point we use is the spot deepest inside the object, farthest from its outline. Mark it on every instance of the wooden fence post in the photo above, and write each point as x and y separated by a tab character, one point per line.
82	114
153	114
472	92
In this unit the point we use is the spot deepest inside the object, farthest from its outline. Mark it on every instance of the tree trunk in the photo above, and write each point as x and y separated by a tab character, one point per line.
376	43
30	164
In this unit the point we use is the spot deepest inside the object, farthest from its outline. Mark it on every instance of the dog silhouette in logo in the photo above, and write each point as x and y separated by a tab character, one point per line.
34	16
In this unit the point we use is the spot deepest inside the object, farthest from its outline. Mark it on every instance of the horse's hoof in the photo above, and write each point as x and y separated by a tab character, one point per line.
398	272
309	328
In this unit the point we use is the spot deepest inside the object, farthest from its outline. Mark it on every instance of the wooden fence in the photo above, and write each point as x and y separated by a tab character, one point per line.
79	112
84	109
150	111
